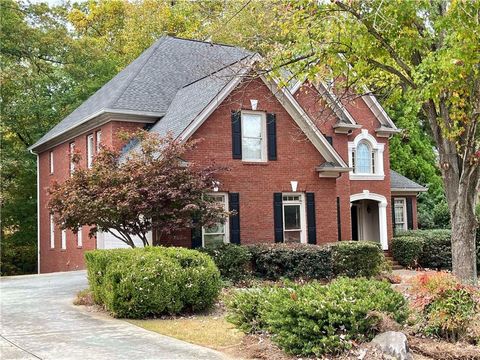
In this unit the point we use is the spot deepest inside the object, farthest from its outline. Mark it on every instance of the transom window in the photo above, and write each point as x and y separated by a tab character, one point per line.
253	136
217	234
293	218
400	214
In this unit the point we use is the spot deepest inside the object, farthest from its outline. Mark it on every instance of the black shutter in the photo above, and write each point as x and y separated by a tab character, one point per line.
234	205
196	237
272	136
392	204
311	220
278	216
409	213
236	135
339	221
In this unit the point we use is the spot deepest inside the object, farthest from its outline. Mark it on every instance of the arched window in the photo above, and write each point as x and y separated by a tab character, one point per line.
364	159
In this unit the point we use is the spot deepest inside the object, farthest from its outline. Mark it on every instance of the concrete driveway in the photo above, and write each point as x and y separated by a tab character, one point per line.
38	321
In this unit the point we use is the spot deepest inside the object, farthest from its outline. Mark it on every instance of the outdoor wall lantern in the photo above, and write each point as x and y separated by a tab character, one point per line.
254	103
216	184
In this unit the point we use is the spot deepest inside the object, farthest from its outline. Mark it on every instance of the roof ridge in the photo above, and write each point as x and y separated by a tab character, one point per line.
205	42
140	68
213	72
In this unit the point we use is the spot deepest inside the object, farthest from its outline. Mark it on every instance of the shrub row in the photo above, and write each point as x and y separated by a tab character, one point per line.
315	319
137	283
426	248
293	261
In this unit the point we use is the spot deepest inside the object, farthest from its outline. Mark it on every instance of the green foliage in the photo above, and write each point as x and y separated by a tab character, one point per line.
17	259
357	258
233	261
448	309
293	261
138	283
315	319
407	250
427	248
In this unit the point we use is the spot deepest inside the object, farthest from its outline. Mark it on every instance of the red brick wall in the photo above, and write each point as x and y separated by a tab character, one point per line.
257	182
57	259
314	105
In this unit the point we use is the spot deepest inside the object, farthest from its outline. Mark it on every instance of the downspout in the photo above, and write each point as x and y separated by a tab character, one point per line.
38	211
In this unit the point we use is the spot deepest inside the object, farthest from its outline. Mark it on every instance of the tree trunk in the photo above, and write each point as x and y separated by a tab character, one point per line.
464	255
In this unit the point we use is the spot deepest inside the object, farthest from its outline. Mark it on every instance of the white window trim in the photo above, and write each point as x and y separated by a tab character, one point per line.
405	220
90	150
303	219
64	239
80	237
51	162
52	232
377	148
264	135
227	225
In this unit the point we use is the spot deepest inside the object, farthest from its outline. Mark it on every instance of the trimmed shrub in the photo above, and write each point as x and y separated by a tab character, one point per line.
232	260
407	250
292	261
427	248
142	282
315	319
357	258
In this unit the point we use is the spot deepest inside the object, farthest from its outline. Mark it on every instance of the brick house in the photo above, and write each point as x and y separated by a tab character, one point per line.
304	166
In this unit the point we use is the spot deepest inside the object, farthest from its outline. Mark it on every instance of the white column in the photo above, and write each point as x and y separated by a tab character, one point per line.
382	224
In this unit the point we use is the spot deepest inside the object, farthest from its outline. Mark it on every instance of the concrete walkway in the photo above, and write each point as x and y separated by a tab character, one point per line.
38	321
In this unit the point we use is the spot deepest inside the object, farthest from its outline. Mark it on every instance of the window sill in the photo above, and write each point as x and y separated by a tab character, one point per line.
79	247
367	176
63	250
255	163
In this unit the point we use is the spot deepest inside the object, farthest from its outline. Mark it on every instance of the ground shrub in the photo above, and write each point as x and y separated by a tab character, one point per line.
315	319
137	283
357	258
293	261
233	261
447	309
407	250
427	248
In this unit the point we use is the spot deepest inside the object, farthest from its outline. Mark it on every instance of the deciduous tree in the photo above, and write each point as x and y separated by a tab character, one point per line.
129	194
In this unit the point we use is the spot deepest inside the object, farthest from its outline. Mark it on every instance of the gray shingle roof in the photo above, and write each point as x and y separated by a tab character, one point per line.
151	82
400	182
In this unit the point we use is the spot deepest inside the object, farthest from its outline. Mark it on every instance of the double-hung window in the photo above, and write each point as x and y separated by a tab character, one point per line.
90	149
72	153
64	239
364	159
294	224
254	147
400	214
51	162
99	140
52	232
217	234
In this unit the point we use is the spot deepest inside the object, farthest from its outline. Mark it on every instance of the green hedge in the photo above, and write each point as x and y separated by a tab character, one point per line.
315	319
137	283
357	258
233	261
295	261
426	248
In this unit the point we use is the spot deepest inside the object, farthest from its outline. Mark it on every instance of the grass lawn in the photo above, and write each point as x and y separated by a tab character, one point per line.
206	330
